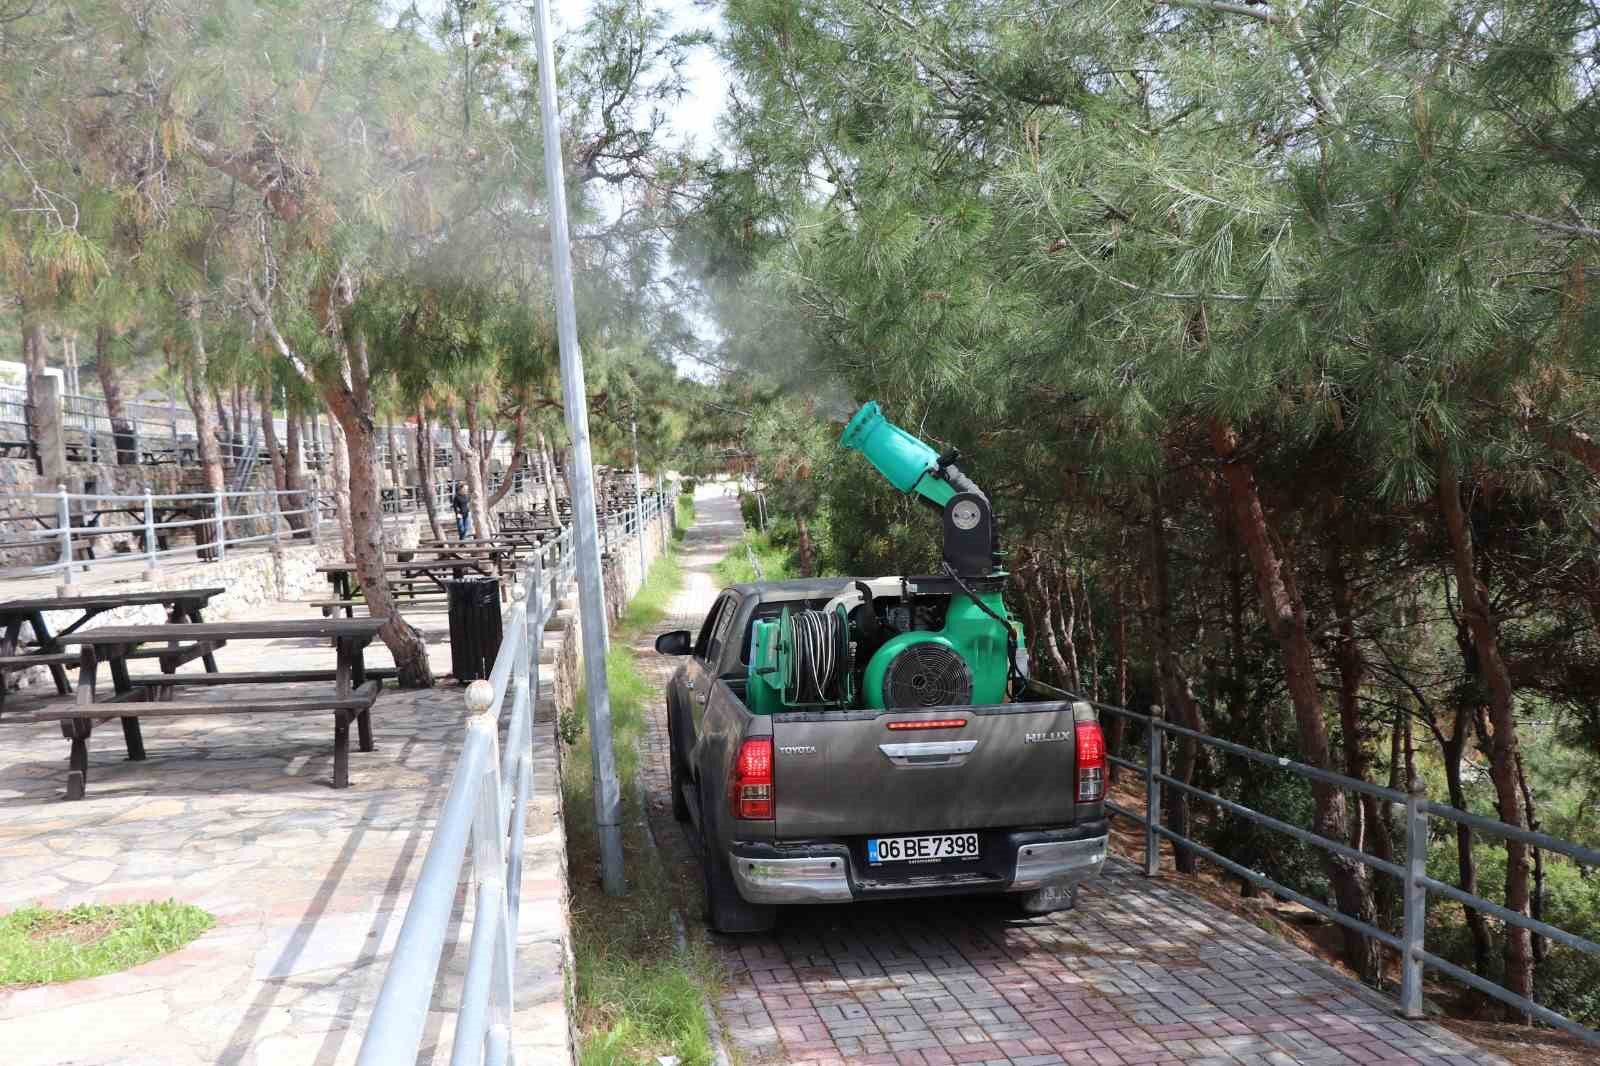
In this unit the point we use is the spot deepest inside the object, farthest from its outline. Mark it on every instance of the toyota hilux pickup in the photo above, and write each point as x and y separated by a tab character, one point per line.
923	779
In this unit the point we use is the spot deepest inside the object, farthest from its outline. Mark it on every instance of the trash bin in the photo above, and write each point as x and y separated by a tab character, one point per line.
474	626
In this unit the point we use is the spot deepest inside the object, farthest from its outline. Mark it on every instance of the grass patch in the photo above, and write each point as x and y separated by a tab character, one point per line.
684	516
649	605
639	995
736	567
40	946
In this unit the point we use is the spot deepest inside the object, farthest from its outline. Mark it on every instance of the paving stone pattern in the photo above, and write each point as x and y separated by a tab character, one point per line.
309	885
1140	974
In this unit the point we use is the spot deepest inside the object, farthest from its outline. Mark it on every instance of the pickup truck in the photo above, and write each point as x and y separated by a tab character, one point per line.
835	805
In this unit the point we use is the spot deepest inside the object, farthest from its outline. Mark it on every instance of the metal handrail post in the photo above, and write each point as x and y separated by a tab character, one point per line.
1153	748
64	520
149	534
1413	929
222	527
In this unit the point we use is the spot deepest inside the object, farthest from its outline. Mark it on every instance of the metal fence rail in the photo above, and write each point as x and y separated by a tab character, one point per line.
486	805
1411	872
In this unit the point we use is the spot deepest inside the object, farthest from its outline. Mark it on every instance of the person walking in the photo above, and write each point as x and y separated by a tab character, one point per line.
463	506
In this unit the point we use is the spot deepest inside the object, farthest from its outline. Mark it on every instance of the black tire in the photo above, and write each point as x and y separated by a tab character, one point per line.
679	773
726	910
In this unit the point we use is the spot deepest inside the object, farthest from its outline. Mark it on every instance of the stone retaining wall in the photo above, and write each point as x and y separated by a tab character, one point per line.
563	659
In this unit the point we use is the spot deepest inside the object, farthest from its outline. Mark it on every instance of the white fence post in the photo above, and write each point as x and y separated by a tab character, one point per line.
149	536
221	503
64	521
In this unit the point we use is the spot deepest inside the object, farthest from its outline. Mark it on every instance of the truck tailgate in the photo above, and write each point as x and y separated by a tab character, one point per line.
848	773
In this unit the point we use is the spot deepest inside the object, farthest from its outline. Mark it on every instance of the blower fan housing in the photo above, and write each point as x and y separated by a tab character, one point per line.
919	670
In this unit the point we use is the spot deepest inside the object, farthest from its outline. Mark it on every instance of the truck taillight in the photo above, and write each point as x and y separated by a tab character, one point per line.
1091	762
752	780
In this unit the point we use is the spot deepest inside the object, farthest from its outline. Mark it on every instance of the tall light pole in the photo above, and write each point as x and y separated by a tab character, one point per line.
638	497
591	588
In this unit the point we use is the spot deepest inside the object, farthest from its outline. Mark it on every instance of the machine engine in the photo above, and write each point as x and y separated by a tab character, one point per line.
939	640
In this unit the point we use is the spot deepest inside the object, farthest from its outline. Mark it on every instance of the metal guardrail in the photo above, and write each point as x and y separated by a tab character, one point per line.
1411	872
207	516
486	805
214	518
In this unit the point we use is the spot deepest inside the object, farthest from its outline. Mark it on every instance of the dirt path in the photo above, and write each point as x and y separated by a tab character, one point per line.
1140	973
717	528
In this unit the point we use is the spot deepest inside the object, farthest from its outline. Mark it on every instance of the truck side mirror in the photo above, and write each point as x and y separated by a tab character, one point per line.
677	642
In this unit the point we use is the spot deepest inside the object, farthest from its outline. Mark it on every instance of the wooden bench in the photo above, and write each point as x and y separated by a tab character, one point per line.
134	699
182	605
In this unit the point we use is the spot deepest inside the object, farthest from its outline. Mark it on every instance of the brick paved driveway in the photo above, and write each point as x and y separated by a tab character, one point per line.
1140	973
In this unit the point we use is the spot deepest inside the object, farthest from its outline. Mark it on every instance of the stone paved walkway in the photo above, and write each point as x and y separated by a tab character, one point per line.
1139	974
309	885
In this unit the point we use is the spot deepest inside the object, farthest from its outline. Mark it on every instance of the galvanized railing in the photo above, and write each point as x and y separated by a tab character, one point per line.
1411	871
215	520
487	804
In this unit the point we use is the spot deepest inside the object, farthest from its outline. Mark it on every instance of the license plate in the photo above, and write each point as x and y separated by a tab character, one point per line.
945	846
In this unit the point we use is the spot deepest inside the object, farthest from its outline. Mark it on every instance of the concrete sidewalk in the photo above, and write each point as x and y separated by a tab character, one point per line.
309	885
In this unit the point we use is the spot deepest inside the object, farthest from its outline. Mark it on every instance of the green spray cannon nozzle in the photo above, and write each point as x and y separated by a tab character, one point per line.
902	459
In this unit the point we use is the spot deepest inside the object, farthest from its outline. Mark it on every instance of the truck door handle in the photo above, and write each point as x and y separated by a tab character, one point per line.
929	753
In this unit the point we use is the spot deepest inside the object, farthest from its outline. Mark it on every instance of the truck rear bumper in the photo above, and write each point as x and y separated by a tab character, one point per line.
829	871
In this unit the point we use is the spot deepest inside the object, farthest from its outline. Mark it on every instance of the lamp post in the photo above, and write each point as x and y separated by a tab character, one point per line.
591	587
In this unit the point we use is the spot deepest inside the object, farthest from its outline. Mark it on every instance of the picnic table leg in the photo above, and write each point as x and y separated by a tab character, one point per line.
341	749
358	677
77	730
8	646
193	614
131	733
47	643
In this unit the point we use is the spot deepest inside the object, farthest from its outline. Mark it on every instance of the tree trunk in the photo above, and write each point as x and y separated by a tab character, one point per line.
392	442
480	436
1067	619
1484	629
341	488
1093	639
1452	748
425	472
1119	643
519	459
807	557
116	407
280	471
36	355
1045	626
1537	907
548	472
294	467
353	410
199	395
1176	693
1285	615
467	456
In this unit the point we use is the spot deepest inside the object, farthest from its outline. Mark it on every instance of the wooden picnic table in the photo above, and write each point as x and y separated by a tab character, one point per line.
184	606
133	698
342	577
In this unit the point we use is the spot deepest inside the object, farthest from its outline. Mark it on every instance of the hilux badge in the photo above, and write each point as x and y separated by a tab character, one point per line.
1053	736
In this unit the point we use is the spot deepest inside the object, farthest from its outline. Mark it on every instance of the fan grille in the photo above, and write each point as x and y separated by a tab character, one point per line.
927	674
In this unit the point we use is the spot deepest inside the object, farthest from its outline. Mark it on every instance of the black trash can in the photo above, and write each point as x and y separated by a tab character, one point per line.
474	626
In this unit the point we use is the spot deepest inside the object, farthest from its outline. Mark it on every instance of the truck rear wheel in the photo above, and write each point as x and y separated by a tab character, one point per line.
726	910
679	773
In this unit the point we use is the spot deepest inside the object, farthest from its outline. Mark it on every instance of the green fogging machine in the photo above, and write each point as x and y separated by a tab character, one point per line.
907	642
